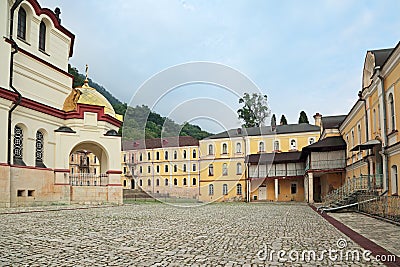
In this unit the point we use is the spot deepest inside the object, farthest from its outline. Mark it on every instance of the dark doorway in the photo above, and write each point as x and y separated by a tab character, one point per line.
317	189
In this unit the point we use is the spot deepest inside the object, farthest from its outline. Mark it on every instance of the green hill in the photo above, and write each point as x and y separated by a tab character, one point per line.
140	122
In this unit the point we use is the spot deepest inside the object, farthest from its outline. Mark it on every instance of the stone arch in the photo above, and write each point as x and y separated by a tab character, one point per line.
97	149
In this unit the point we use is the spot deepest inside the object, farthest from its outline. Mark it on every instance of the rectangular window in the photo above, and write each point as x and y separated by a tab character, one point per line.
31	193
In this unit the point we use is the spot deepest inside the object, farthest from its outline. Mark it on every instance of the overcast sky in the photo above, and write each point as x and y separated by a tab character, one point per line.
305	55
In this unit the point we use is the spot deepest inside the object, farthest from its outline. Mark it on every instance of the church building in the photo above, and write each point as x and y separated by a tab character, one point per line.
45	121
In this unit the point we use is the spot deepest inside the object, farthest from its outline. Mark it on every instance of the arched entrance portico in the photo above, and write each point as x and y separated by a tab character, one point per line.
88	165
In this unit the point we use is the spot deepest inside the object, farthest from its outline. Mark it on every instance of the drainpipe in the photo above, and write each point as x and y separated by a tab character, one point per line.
366	134
384	153
15	47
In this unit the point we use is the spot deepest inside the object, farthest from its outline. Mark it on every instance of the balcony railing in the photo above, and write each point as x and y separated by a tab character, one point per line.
364	183
327	164
88	179
277	173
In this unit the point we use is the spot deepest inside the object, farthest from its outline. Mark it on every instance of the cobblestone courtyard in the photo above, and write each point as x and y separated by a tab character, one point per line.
157	234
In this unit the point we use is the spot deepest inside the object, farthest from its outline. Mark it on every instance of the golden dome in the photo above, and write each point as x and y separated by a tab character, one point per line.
90	96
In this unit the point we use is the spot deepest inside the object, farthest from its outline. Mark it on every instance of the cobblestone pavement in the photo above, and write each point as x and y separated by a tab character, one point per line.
382	233
155	234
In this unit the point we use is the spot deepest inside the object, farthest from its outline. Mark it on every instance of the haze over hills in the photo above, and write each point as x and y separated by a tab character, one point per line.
140	122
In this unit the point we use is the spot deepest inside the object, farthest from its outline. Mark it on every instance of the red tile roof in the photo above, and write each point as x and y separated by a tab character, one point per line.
174	141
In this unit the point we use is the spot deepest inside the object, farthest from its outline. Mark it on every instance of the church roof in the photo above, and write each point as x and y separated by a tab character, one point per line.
175	141
266	130
332	122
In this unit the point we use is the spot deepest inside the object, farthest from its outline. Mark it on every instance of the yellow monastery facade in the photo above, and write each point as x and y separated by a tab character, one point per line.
226	176
162	167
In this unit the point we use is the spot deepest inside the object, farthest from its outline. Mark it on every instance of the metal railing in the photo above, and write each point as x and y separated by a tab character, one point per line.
383	206
364	183
88	179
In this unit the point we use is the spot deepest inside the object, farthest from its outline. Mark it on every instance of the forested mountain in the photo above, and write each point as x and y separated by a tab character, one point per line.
140	122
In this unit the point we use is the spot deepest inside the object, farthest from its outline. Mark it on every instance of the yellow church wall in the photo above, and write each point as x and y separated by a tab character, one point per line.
284	190
392	85
218	195
302	140
330	182
355	118
394	160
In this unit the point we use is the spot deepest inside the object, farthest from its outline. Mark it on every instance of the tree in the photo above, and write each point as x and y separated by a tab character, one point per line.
273	120
303	117
283	120
255	109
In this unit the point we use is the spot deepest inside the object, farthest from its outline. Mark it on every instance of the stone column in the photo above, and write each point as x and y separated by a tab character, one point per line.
310	187
276	189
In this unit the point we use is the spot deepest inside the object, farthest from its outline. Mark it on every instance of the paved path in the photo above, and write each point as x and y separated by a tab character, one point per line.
229	234
382	233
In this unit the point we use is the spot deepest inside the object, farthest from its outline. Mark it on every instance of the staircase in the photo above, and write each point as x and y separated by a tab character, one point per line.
348	194
135	194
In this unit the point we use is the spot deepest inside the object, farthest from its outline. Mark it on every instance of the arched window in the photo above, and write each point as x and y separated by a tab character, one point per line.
359	133
175	181
224	169
166	155
211	189
352	139
141	157
392	113
311	140
224	148
194	153
184	154
18	146
158	155
148	156
158	168
395	179
238	189
210	170
148	182
276	145
184	181
148	169
210	149
374	120
166	181
238	147
158	182
239	168
141	182
39	150
42	36
175	168
224	189
72	157
194	167
21	30
184	167
141	169
166	168
261	147
293	144
175	154
194	181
